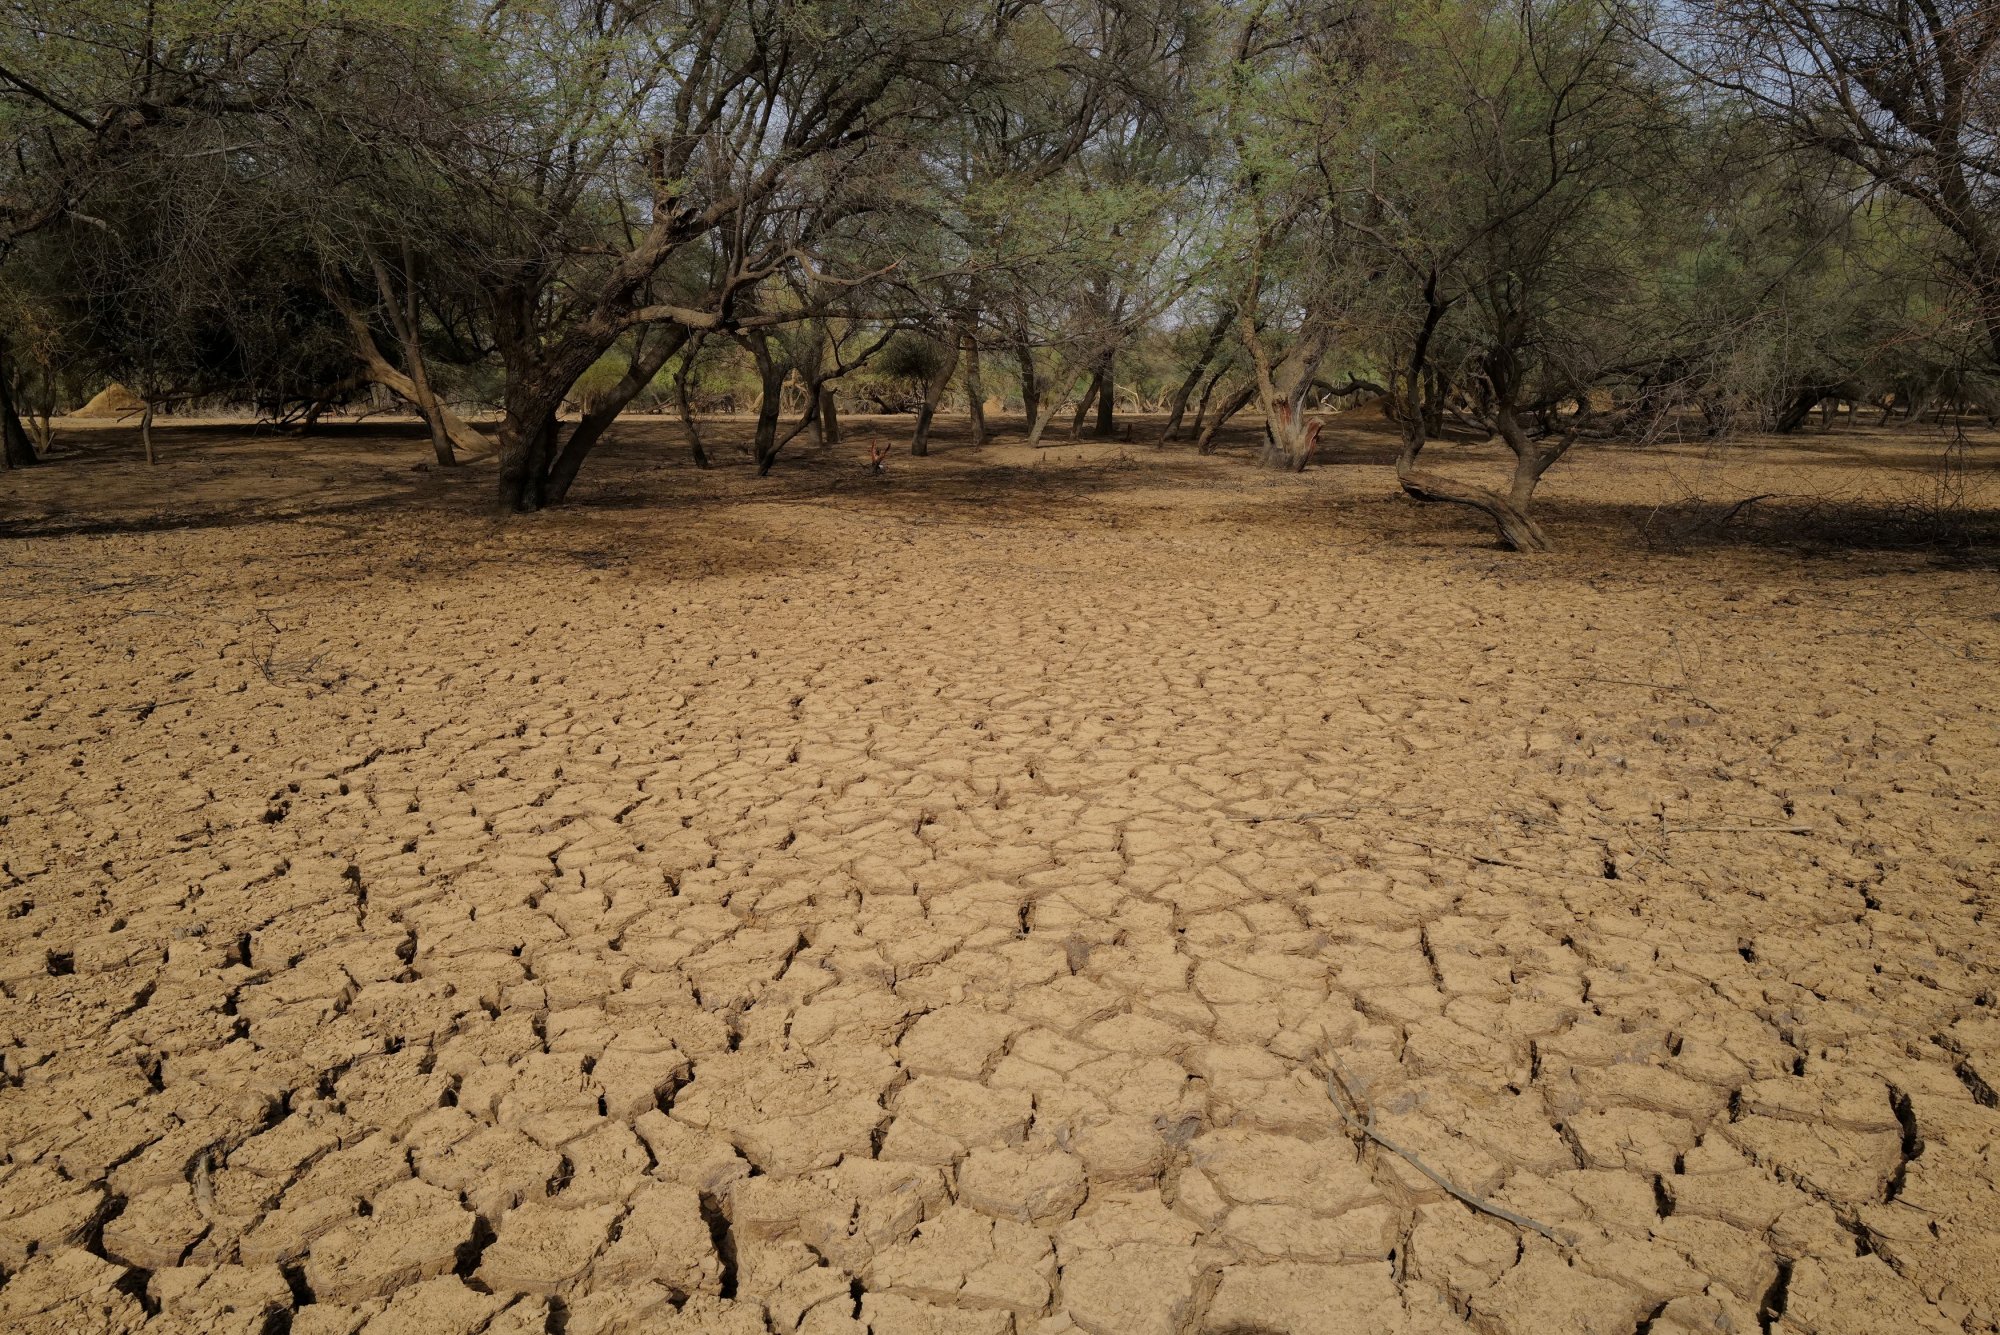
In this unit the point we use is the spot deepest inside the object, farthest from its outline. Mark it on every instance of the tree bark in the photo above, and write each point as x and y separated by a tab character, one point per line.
1207	393
1282	391
683	386
146	432
404	318
920	444
771	378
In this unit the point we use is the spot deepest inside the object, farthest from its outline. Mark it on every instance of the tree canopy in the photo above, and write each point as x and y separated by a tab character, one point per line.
1541	220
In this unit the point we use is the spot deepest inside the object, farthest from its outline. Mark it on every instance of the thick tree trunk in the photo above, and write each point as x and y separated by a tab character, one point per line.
1234	404
1800	408
1282	391
920	444
771	377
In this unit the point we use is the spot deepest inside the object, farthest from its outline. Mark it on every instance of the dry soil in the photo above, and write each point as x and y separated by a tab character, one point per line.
1097	889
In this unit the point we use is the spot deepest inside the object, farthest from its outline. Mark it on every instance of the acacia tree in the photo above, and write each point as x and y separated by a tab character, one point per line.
92	89
1497	161
1907	93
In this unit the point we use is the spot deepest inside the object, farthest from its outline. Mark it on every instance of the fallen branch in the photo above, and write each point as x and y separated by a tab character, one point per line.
1347	1103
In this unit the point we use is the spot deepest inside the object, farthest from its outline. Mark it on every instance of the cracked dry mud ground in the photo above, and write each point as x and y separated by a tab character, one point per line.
841	904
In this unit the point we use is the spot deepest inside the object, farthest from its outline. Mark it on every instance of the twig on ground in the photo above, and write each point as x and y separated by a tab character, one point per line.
1295	816
1655	685
1360	1118
1740	829
1480	858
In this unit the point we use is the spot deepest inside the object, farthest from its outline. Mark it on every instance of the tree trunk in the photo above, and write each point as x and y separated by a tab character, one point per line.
375	368
829	417
771	377
920	444
16	450
1178	407
1038	426
1031	389
1234	404
975	392
1796	412
683	385
1083	404
1517	530
146	432
405	318
1106	400
1282	391
1207	393
652	353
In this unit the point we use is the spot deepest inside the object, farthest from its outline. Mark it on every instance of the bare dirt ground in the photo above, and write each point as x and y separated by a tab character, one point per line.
935	903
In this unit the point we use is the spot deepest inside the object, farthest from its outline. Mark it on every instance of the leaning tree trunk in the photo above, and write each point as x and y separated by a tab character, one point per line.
1207	393
1178	408
647	359
1508	513
1234	404
405	318
1083	405
1038	426
1795	413
920	444
459	435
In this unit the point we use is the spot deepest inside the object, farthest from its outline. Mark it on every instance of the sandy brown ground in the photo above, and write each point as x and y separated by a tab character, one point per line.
933	904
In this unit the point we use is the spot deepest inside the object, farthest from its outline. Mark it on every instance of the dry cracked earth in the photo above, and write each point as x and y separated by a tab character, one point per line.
1087	891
